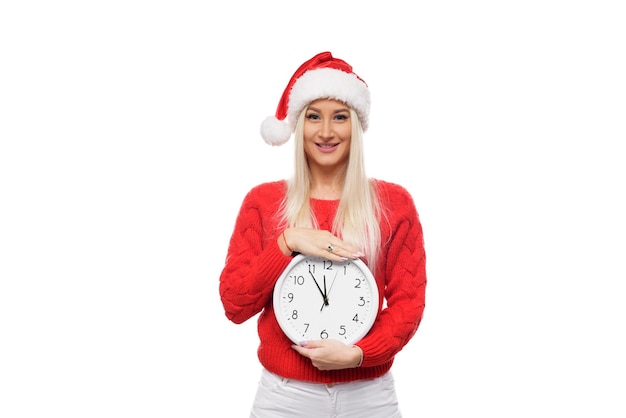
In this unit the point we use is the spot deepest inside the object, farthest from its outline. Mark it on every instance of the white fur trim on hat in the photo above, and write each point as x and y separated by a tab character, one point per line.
329	83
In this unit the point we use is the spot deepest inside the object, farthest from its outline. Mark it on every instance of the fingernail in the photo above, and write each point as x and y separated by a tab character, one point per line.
302	343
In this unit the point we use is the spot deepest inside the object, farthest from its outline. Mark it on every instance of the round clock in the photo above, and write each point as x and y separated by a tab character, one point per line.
315	298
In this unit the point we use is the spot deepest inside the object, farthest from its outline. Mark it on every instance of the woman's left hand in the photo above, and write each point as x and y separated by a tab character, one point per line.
330	354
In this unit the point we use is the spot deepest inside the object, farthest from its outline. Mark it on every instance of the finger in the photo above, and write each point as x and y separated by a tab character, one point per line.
341	248
301	350
311	344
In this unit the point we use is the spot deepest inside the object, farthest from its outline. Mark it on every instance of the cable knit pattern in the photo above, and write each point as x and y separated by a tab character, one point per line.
254	262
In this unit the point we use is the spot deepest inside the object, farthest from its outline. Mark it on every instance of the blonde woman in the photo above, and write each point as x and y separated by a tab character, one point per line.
329	208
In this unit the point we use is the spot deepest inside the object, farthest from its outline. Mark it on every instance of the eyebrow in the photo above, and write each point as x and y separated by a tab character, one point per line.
315	109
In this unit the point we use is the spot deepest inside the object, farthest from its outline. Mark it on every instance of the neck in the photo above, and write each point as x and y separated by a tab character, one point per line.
327	189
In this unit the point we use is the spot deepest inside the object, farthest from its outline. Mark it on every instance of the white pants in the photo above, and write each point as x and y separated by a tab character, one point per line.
278	397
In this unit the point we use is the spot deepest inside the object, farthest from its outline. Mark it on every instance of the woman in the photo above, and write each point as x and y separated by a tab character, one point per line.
328	208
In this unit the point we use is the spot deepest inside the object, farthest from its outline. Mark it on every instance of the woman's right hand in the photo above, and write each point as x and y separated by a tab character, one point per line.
316	242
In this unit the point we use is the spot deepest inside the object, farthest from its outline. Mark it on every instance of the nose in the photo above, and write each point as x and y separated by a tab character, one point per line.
326	130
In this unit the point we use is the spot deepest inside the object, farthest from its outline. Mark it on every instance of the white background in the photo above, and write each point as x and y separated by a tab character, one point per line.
129	136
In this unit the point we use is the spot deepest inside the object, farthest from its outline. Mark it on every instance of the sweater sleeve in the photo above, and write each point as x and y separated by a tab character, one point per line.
254	261
404	287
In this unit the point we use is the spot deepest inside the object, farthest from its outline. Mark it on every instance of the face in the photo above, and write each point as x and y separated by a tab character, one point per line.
327	134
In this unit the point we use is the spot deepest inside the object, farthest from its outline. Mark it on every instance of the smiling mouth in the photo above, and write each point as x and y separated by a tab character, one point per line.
327	146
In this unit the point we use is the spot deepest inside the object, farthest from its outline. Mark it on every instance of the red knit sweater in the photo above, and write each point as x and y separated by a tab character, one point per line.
254	263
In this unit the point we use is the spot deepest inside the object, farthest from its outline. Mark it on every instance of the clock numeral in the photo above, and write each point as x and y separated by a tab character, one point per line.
361	301
299	280
342	330
358	283
355	318
290	297
323	335
328	264
294	314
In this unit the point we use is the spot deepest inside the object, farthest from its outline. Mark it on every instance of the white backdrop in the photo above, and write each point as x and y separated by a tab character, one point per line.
129	136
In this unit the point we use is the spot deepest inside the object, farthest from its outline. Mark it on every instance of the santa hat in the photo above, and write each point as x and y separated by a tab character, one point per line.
321	77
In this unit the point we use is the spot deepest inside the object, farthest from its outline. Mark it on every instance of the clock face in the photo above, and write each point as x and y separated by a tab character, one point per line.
316	298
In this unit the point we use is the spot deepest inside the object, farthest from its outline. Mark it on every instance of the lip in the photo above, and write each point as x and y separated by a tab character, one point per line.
326	148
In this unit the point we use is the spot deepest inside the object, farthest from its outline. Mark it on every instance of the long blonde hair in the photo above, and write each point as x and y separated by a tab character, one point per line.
358	213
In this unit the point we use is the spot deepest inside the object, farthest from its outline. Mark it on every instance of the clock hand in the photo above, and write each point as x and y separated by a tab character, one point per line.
320	289
331	288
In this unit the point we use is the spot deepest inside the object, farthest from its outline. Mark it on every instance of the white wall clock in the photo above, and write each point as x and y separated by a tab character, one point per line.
315	298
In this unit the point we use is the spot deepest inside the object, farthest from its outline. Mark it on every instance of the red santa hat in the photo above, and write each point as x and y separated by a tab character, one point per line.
321	77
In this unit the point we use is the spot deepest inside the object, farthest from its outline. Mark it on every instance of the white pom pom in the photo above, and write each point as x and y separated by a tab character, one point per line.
274	131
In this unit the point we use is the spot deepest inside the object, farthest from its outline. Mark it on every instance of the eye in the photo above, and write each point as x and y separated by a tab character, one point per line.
342	116
312	116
